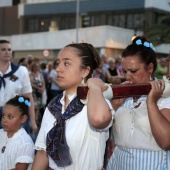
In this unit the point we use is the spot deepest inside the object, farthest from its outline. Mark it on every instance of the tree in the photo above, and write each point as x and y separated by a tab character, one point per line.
160	33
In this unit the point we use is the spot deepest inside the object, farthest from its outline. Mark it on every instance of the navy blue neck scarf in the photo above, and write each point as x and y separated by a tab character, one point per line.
57	147
2	78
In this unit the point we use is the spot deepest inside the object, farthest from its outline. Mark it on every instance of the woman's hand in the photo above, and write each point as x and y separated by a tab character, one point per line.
157	88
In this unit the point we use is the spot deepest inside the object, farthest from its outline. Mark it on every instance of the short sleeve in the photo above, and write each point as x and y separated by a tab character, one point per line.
112	112
25	81
46	125
164	103
25	153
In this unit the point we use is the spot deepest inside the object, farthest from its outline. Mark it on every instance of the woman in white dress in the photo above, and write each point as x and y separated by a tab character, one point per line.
141	127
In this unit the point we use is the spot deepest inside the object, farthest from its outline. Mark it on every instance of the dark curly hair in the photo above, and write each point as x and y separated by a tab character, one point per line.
24	109
146	54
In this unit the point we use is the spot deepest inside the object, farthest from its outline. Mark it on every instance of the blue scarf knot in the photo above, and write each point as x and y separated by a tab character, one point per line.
57	147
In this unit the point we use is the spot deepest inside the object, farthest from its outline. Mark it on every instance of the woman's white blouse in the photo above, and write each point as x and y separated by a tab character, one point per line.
86	144
131	127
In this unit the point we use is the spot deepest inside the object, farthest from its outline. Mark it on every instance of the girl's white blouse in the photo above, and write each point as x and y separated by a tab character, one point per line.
19	149
87	145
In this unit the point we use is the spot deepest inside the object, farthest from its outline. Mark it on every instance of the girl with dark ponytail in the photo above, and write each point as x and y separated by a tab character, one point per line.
73	133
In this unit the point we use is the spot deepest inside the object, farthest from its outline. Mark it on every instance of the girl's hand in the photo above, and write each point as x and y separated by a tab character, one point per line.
96	83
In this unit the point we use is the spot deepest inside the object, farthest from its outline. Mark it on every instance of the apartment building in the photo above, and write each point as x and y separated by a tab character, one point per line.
37	25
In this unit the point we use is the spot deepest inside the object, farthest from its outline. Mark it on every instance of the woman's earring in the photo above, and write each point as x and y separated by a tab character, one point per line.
150	77
83	82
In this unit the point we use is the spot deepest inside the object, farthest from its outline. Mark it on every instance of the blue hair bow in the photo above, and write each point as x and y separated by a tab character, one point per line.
21	100
146	44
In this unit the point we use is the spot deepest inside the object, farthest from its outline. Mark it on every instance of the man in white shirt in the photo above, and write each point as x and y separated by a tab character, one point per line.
14	80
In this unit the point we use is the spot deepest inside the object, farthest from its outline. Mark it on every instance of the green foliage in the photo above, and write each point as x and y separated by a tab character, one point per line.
160	33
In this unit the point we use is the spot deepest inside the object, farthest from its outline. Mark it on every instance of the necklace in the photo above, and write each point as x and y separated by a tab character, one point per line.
4	147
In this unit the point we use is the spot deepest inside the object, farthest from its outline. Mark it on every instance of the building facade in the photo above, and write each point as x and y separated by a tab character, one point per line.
31	25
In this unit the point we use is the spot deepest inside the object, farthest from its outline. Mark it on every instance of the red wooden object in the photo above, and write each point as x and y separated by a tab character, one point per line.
120	91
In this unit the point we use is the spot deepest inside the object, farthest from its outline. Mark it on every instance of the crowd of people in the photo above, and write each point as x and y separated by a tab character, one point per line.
45	126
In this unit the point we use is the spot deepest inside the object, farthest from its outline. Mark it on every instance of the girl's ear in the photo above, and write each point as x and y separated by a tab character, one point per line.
23	119
86	71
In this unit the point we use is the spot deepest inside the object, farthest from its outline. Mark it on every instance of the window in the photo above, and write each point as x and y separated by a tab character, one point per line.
31	25
116	20
44	25
68	22
93	20
135	21
37	24
85	21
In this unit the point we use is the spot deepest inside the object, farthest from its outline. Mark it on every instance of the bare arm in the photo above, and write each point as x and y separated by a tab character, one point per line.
32	112
20	166
159	119
99	113
40	161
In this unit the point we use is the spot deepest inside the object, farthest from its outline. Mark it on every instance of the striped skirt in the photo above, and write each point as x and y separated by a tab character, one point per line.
138	159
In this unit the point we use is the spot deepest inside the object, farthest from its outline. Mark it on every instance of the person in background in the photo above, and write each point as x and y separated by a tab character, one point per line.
73	132
55	89
14	80
161	69
17	147
119	65
99	73
22	62
30	58
105	64
38	86
43	71
49	68
113	75
141	126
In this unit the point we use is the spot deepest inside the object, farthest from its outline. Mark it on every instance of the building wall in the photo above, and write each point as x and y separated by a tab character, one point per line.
108	40
69	6
9	22
65	7
158	4
5	3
